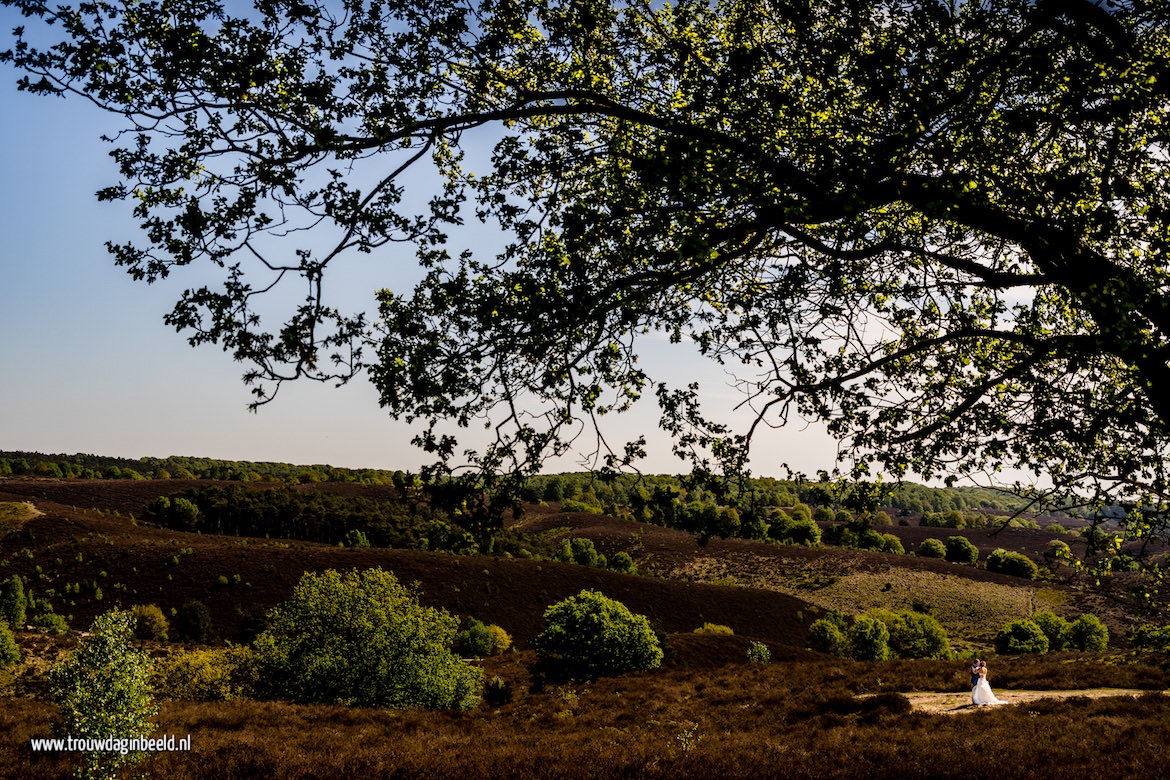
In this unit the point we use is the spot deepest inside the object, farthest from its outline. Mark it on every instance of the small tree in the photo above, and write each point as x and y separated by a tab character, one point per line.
149	622
869	639
915	635
598	635
1087	633
103	690
361	638
9	652
1055	629
932	548
828	635
1013	563
13	602
960	550
1021	637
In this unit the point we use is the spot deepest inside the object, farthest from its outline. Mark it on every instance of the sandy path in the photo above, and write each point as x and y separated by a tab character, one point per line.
955	703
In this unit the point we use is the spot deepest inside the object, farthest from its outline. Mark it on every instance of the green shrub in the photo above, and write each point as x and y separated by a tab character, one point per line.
869	639
1088	634
623	562
361	638
1013	563
891	544
960	550
1058	550
1055	629
597	635
914	635
828	635
1021	637
1148	637
932	548
149	622
193	623
220	674
13	604
714	628
573	505
758	653
9	652
579	551
50	623
102	689
355	538
474	638
501	639
799	529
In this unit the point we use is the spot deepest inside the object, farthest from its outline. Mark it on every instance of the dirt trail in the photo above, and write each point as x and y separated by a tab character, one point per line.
956	703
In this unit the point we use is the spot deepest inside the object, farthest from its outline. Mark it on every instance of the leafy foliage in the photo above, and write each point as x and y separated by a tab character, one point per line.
193	623
150	622
932	548
363	639
869	639
597	635
758	653
208	674
102	689
1021	637
961	550
860	203
1014	563
9	651
1089	634
13	603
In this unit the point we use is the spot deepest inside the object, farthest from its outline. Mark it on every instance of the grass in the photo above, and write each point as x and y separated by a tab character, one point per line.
799	720
14	514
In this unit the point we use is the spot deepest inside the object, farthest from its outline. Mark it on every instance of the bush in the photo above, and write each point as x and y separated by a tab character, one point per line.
355	538
960	550
193	623
1021	637
1055	629
1058	550
581	552
914	635
869	640
1148	637
623	562
50	623
932	548
828	635
714	628
363	639
13	603
501	639
758	653
474	638
794	530
597	635
891	544
9	652
102	689
220	674
1013	563
1088	634
149	622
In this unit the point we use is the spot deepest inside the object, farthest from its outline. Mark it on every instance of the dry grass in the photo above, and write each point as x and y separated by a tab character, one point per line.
798	719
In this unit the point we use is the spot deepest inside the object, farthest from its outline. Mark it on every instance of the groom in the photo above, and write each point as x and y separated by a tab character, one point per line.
975	672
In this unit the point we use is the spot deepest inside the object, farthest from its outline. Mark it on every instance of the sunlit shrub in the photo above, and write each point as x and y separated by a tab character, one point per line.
828	635
1013	563
714	628
501	639
598	635
960	550
149	622
869	639
361	638
758	653
1055	629
623	562
932	548
1021	637
1089	634
913	635
9	652
220	674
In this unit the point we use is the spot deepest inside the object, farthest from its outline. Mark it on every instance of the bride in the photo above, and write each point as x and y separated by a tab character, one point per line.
981	694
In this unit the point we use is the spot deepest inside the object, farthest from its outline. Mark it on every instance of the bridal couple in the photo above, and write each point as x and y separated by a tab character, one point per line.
980	690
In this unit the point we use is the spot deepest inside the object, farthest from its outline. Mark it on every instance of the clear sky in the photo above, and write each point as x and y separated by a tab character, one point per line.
87	365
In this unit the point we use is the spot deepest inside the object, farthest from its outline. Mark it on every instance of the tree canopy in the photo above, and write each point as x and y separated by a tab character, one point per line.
939	226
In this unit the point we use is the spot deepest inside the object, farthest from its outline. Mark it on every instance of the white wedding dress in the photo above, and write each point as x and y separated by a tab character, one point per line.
981	694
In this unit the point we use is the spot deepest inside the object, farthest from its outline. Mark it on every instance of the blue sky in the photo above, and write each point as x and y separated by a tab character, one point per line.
87	364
